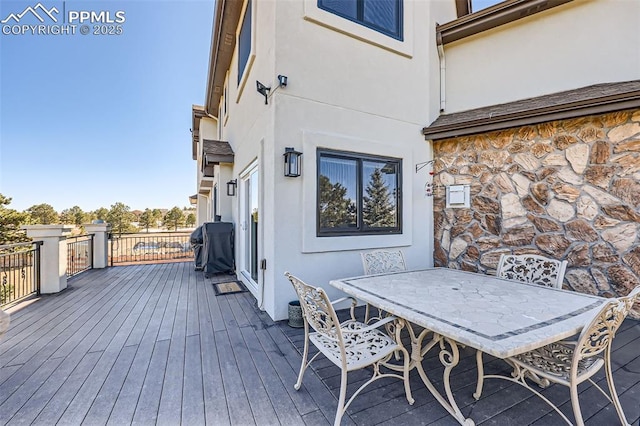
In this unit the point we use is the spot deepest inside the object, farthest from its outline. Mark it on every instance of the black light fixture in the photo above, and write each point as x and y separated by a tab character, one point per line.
282	80
231	187
263	90
292	165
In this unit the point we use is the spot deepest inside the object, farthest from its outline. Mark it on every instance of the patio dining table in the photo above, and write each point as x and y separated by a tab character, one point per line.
499	317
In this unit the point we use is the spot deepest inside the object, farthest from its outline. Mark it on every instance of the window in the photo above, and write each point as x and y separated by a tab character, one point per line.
244	42
477	5
384	16
358	194
225	98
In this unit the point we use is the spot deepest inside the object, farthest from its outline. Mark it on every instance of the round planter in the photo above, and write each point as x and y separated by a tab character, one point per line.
295	314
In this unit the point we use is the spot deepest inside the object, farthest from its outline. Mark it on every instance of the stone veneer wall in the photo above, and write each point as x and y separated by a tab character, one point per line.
565	189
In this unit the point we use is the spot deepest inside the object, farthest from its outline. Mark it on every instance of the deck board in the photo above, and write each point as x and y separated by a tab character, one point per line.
153	344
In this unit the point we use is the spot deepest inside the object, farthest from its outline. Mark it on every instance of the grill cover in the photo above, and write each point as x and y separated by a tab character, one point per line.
196	243
217	250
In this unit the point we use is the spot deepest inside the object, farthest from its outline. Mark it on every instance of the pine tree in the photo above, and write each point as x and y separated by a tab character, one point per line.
174	218
147	219
74	216
120	218
43	214
10	222
191	220
377	210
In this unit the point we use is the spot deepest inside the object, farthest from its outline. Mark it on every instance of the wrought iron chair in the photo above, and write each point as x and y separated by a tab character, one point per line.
571	363
379	262
534	269
350	345
531	268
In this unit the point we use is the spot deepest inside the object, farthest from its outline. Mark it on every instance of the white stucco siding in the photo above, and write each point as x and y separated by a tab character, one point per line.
570	46
349	89
307	125
342	93
332	60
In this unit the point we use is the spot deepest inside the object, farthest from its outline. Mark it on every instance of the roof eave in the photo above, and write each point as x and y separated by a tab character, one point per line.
565	111
217	159
223	41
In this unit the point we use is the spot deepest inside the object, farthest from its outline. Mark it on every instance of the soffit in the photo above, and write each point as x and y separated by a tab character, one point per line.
223	42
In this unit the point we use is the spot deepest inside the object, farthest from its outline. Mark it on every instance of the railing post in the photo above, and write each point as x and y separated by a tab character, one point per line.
53	255
92	238
37	265
100	253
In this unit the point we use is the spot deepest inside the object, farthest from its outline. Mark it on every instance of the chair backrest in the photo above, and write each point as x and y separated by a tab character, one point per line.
599	333
381	261
317	309
531	268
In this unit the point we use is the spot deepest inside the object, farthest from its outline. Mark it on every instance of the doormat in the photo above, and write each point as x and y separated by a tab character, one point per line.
229	287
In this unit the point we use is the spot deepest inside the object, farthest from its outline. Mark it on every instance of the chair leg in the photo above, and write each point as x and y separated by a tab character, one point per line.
612	390
305	354
575	404
343	396
480	382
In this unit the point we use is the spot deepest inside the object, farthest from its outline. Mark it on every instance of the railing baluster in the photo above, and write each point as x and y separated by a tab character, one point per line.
19	271
79	254
150	248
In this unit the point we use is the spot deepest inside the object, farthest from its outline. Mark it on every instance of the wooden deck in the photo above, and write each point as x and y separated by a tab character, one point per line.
152	344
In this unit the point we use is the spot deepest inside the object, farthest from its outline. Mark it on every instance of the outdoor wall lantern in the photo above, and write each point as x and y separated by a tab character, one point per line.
282	80
231	187
263	90
292	165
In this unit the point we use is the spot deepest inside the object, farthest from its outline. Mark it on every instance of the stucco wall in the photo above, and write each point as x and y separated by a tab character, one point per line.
348	89
307	126
573	45
565	189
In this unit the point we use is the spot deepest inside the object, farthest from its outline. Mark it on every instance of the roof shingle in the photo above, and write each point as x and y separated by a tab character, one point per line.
595	99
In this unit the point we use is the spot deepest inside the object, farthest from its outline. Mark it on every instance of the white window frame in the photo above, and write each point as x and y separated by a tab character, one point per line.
252	53
313	13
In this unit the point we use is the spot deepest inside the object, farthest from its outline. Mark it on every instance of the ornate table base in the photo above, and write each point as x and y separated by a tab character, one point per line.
449	357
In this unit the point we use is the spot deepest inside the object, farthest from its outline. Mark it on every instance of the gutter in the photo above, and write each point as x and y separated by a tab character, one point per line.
493	17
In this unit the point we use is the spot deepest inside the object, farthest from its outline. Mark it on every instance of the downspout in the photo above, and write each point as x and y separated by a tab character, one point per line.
443	69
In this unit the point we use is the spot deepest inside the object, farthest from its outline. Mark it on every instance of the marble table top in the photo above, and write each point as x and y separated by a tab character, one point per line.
499	317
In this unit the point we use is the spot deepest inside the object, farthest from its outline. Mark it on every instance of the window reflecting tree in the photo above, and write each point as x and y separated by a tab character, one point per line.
336	209
378	210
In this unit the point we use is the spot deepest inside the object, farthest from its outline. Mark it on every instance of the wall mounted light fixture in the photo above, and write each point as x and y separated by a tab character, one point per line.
292	164
231	187
282	80
263	90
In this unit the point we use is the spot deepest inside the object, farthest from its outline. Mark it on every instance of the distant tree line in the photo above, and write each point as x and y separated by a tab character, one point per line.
120	216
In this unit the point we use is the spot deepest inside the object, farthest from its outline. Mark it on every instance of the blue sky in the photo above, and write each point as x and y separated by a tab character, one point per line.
91	120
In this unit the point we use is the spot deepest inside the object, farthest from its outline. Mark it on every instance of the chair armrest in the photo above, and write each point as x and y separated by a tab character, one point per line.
342	299
354	302
373	326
